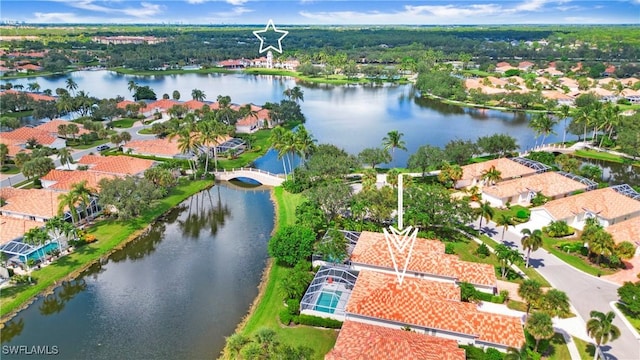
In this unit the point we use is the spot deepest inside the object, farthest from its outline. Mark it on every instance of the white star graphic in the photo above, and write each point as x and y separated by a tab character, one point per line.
262	48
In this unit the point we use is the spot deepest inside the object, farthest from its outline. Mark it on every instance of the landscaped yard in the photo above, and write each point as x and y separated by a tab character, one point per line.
586	349
123	123
633	320
511	212
10	169
560	350
109	233
574	260
270	304
593	154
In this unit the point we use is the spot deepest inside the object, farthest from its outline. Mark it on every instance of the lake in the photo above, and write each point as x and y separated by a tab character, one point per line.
173	293
352	117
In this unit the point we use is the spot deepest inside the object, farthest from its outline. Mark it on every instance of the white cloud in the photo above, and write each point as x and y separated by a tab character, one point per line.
196	1
531	5
235	12
144	10
237	2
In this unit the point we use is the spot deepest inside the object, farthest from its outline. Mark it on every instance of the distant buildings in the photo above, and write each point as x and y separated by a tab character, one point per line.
119	40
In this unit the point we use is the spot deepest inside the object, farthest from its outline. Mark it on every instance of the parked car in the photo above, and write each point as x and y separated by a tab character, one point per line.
103	147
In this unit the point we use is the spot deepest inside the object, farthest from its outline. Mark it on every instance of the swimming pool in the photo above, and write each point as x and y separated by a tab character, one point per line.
42	252
327	301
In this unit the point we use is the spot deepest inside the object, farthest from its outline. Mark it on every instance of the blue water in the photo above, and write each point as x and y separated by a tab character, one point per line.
327	301
38	254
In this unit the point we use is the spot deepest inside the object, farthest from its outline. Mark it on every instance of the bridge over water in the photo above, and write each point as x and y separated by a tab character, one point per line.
261	176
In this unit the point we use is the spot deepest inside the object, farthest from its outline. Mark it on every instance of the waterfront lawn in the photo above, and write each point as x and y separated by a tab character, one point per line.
124	123
576	261
601	155
265	314
110	233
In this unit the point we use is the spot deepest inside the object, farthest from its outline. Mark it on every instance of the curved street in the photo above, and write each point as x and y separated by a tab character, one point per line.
586	292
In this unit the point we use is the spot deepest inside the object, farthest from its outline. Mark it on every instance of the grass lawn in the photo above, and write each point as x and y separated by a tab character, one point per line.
265	314
560	350
573	260
124	123
633	320
90	145
10	169
146	131
586	349
18	114
592	154
110	233
512	212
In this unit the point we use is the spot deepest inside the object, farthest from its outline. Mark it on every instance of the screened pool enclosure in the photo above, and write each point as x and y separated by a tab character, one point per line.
329	292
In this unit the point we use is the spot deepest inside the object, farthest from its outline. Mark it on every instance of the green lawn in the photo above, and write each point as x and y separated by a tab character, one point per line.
146	131
633	320
511	212
110	233
10	169
18	114
560	350
90	145
573	260
592	154
586	349
124	123
265	314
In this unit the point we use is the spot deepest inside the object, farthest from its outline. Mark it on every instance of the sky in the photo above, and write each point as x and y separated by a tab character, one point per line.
324	12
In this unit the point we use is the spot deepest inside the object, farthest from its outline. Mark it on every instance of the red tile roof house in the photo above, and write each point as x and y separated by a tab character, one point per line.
20	136
163	148
251	124
521	191
509	169
31	204
13	228
63	180
52	128
428	261
607	205
119	165
160	106
358	340
628	230
429	307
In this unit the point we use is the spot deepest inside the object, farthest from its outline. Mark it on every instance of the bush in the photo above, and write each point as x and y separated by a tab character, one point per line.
571	246
293	306
22	279
522	214
449	248
317	321
483	251
285	317
625	250
558	229
292	244
475	353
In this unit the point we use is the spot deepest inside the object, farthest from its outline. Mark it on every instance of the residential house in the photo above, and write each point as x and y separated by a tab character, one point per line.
628	230
163	148
632	96
52	128
428	261
30	204
64	180
561	98
15	228
508	168
22	135
604	95
161	106
116	165
525	65
551	184
609	206
378	299
358	340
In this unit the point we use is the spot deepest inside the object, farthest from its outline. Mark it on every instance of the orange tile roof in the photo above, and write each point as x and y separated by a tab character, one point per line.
161	147
194	104
428	257
509	169
13	146
555	95
35	202
163	105
123	104
23	134
52	127
120	164
358	341
607	203
628	230
379	296
13	228
76	176
550	183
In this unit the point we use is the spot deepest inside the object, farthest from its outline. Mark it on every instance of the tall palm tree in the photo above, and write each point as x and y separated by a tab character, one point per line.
565	113
83	194
304	142
393	141
209	132
531	292
72	86
198	95
491	175
540	326
600	327
505	221
543	125
277	142
65	157
486	212
297	94
582	116
188	144
531	241
132	86
33	87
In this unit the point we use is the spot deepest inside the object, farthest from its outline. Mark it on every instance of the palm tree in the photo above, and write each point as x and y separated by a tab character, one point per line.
65	157
486	212
304	142
530	291
72	86
33	87
187	144
582	116
555	303
277	142
601	243
198	95
132	86
491	175
504	220
65	104
73	129
518	354
56	226
540	326
209	132
369	180
600	327
531	241
543	125
565	113
297	94
393	141
83	195
4	151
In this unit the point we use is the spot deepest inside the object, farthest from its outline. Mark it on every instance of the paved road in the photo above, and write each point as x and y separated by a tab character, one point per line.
586	292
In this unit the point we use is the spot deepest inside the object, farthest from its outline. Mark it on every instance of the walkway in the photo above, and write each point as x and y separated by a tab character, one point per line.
261	176
586	292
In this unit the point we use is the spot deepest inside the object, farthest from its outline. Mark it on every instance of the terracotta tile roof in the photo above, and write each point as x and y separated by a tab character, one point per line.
555	95
378	296
509	169
525	64
161	105
160	147
123	104
607	203
628	230
52	127
13	146
358	341
13	228
502	64
35	202
428	257
23	134
194	104
70	178
601	92
550	183
630	81
120	164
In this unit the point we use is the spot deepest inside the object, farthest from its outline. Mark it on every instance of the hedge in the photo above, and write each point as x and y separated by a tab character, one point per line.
317	321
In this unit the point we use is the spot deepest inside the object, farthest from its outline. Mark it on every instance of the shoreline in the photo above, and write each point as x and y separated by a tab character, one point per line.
74	273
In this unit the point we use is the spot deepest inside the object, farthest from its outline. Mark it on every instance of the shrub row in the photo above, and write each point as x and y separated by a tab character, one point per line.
489	297
286	318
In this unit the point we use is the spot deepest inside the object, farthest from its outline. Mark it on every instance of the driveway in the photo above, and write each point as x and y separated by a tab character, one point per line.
586	292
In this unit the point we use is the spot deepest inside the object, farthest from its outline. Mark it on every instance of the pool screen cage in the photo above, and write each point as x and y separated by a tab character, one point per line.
352	239
537	166
335	277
